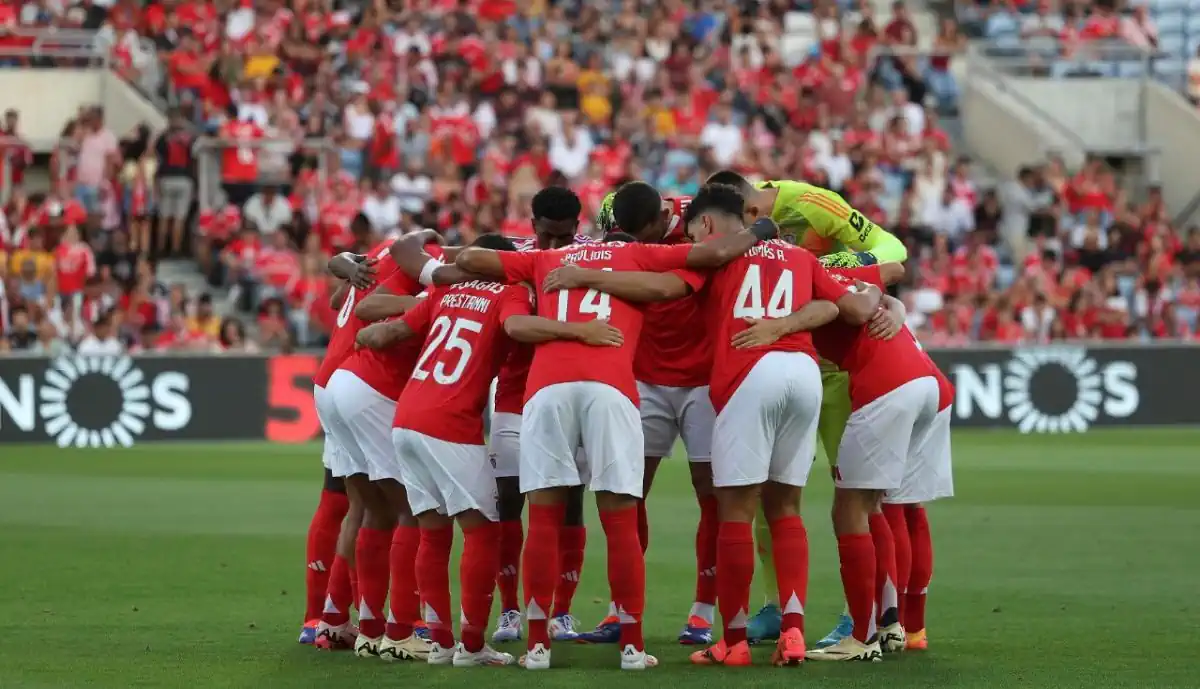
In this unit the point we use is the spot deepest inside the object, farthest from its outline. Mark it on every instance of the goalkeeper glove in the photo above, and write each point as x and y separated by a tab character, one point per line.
847	259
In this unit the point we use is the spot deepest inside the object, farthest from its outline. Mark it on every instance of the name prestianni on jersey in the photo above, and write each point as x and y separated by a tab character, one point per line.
471	302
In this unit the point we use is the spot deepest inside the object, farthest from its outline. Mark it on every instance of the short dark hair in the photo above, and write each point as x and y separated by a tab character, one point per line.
636	206
556	203
494	242
731	178
619	237
715	198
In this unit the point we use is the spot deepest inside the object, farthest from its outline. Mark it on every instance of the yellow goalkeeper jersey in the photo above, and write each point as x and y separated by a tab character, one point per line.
822	222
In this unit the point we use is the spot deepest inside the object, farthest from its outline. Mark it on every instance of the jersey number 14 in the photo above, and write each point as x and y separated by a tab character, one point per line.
594	302
749	302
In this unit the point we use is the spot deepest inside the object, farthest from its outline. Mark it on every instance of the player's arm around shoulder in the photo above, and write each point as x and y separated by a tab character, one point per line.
761	332
382	304
633	286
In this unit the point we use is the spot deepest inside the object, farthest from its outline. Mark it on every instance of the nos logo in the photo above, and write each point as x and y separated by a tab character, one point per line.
1047	390
96	401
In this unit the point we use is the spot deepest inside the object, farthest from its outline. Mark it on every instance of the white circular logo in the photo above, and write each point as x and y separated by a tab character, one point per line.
1023	411
125	422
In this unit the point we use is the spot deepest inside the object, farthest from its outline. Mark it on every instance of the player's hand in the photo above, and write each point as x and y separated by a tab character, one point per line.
884	325
563	277
599	333
363	275
431	236
761	332
375	336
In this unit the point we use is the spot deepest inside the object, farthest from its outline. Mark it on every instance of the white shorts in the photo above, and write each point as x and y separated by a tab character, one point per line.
560	419
445	477
881	436
768	429
332	451
668	413
929	474
361	421
504	450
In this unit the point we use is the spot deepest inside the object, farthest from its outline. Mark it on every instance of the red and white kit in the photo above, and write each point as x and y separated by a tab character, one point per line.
929	475
580	396
341	346
360	399
893	397
767	398
439	416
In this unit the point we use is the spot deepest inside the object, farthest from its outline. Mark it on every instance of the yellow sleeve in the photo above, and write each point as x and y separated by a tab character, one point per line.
830	215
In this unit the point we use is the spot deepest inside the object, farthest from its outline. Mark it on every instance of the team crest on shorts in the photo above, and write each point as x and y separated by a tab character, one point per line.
492	459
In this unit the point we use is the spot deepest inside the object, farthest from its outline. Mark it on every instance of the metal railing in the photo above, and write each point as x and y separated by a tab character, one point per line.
273	158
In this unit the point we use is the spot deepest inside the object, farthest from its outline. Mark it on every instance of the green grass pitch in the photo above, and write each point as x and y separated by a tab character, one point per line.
1065	561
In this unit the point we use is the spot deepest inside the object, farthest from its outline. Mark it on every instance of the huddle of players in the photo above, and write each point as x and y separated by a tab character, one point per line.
744	392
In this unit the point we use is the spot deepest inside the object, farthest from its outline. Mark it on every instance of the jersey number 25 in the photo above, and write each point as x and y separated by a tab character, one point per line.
749	302
447	332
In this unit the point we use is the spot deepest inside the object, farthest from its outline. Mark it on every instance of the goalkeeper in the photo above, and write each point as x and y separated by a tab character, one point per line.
821	221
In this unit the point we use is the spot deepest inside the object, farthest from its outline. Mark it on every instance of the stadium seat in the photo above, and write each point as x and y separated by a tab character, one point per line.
799	23
794	48
1193	23
1131	70
1170	69
1172	44
1001	24
1169	21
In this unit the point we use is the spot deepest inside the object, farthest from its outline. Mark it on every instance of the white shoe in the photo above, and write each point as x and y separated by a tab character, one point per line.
538	658
562	628
412	648
485	656
336	637
509	628
848	649
633	659
438	655
892	638
366	647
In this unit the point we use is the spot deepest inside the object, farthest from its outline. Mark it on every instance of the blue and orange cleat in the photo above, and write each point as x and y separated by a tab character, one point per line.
697	632
737	655
308	633
764	626
916	641
607	632
844	628
421	630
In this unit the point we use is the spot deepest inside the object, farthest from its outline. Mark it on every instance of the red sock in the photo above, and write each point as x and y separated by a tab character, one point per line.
319	551
899	526
433	580
922	567
735	573
643	525
885	570
626	572
706	552
477	581
789	545
354	579
404	604
371	564
857	554
339	597
540	568
572	541
512	536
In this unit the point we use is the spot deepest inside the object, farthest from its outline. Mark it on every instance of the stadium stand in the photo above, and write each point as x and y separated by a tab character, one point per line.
289	119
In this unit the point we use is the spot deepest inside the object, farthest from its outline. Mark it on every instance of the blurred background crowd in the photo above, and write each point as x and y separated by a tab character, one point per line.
295	129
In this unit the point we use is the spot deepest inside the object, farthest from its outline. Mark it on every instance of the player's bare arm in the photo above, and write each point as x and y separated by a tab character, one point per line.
536	330
723	248
356	269
382	335
411	258
858	306
891	272
633	286
481	262
761	332
888	319
381	305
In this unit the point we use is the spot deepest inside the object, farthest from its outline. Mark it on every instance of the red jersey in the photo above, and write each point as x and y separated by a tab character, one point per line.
675	227
566	361
73	264
771	280
463	346
347	325
876	367
239	162
675	352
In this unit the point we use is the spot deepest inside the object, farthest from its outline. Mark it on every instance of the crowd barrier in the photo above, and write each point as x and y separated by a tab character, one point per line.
99	401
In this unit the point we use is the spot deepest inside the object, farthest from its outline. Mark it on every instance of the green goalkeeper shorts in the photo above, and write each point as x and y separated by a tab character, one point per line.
835	412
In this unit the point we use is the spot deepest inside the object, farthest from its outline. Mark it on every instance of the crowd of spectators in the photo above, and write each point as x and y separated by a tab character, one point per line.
339	123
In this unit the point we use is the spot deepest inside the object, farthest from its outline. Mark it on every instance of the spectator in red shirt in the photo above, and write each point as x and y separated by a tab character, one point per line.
74	263
240	257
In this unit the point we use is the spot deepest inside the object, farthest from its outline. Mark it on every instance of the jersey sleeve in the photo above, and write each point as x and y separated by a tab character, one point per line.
519	266
824	286
517	300
830	216
694	279
420	316
659	258
869	274
400	283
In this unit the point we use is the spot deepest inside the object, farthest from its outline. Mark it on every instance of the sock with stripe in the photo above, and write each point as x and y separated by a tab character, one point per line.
857	555
922	567
735	573
540	568
476	577
885	570
320	548
626	572
572	542
789	541
433	580
404	603
371	564
706	559
339	596
899	526
512	536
